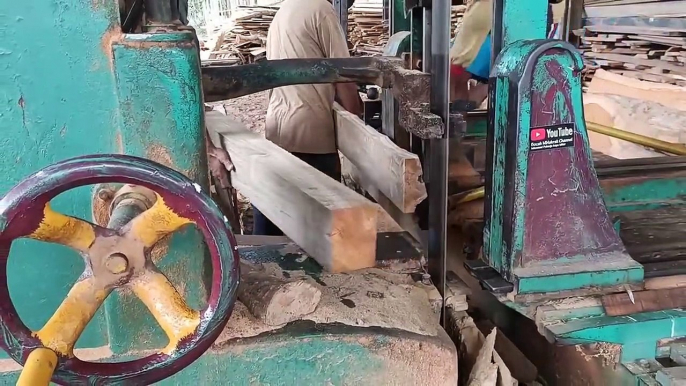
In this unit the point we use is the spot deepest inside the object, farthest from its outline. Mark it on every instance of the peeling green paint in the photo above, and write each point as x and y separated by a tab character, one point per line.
162	119
566	282
638	334
57	101
69	94
493	237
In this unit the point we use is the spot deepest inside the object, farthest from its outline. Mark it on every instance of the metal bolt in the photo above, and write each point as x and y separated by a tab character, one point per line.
117	263
105	194
426	279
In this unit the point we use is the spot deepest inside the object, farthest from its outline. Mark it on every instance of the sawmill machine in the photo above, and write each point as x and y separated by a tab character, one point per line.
578	254
558	277
105	158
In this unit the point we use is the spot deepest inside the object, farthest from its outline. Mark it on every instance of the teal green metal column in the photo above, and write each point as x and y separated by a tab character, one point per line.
400	20
164	123
85	88
515	20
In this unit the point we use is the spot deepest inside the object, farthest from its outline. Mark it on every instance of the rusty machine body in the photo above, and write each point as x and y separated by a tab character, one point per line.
574	247
118	268
576	252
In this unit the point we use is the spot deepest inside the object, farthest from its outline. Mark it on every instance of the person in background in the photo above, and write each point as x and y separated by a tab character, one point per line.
470	54
300	118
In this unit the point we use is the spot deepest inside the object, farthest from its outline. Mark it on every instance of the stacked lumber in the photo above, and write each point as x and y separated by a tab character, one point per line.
244	40
456	15
368	32
646	53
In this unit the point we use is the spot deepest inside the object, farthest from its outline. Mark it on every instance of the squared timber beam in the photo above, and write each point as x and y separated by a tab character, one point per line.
396	172
332	223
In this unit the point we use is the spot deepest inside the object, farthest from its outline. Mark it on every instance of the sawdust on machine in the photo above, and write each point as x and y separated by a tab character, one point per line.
366	298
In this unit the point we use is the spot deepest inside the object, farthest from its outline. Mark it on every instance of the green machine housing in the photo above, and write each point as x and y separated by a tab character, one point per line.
565	230
87	87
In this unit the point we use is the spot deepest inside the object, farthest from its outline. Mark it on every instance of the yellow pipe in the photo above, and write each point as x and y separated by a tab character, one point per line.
472	195
663	146
38	369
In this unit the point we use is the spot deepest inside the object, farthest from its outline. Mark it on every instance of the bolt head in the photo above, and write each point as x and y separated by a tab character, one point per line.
105	194
117	263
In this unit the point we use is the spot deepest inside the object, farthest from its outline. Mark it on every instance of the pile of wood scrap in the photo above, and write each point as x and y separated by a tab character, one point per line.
646	53
244	40
456	15
368	32
487	357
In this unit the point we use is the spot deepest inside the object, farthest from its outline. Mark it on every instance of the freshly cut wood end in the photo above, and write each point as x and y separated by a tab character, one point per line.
416	190
353	239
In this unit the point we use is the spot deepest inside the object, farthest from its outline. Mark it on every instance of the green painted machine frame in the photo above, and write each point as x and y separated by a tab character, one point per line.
89	88
531	75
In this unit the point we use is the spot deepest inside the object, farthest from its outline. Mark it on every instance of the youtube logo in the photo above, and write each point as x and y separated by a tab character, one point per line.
538	135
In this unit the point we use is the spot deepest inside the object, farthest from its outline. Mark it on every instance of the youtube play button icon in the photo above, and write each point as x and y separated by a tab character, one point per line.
538	135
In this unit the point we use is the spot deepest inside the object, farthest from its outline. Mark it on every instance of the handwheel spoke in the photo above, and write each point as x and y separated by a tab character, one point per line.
168	307
155	223
58	228
66	325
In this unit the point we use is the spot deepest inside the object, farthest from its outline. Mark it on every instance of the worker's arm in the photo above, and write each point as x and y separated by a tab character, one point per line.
333	44
470	53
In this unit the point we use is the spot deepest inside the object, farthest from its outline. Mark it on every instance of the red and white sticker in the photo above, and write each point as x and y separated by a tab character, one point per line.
551	137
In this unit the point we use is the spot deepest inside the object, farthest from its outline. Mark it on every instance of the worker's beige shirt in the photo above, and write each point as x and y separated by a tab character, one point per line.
300	118
476	24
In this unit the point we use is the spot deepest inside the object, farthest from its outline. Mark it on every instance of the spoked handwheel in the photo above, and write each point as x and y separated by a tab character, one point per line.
116	258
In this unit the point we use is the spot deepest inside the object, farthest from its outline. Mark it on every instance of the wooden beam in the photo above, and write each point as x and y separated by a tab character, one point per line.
605	82
644	301
640	116
388	213
332	223
396	172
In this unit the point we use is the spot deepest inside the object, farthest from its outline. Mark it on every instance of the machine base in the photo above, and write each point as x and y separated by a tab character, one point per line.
372	327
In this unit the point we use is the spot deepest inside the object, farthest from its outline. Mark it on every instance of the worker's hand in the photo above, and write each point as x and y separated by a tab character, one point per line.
220	165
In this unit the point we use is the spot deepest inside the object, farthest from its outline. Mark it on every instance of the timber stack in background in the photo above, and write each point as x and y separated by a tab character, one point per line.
244	39
653	54
368	32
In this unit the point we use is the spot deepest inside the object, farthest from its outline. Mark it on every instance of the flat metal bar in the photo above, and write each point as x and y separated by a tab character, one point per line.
426	39
438	148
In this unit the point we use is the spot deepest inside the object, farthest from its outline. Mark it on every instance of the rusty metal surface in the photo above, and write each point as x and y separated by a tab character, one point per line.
410	88
590	364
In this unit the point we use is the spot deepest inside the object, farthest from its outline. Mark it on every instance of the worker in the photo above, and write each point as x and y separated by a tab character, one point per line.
470	54
300	118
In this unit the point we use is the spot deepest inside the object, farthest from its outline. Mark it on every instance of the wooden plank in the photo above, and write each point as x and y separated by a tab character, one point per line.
396	172
633	114
388	212
605	82
330	222
665	282
637	30
662	8
643	62
644	301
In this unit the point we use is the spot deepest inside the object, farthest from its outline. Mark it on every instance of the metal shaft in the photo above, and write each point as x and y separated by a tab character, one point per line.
438	148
